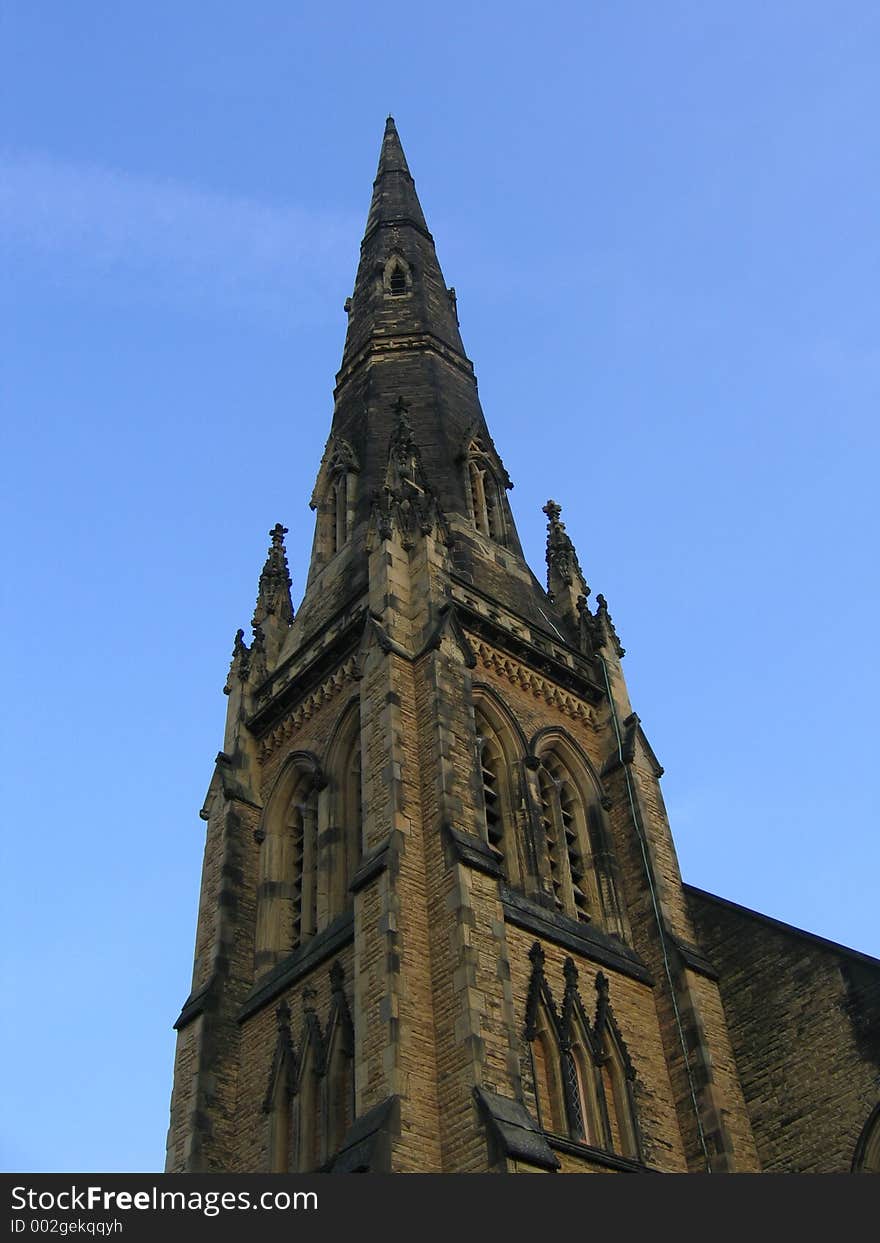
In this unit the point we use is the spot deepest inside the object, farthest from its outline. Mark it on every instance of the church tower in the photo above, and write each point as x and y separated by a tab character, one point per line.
442	926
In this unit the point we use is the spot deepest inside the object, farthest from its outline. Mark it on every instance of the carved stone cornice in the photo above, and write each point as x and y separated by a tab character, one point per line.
515	672
321	694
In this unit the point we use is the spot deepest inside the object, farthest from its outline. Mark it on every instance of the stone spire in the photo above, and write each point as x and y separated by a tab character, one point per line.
399	287
394	192
403	341
403	348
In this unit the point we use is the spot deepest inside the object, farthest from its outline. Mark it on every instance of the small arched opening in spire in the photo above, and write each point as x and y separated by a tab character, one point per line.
335	499
484	494
397	276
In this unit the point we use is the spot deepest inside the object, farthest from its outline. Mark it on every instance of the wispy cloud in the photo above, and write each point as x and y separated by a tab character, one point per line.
139	238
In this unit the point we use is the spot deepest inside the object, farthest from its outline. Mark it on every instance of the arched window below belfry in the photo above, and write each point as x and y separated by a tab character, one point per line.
497	751
340	837
579	861
287	869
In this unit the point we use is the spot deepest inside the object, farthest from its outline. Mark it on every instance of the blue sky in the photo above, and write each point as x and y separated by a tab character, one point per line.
661	221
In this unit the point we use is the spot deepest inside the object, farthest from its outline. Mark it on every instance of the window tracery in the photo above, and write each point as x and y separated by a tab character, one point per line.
582	1076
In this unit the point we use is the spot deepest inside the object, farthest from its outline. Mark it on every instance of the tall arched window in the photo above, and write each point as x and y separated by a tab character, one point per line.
340	838
287	880
616	1080
548	1082
495	752
579	860
339	1078
279	1096
564	824
484	494
308	1113
585	1094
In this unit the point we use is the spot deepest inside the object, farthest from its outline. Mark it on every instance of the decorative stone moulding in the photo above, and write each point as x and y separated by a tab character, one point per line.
519	675
327	690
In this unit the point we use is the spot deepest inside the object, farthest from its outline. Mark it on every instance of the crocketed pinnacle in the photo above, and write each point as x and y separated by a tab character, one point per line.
273	595
563	567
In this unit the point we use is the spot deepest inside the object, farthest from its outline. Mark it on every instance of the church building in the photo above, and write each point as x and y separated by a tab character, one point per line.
442	926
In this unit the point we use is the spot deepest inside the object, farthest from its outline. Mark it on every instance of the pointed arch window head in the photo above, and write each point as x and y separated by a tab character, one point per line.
397	277
564	824
580	870
287	893
278	1101
341	825
484	494
335	499
497	779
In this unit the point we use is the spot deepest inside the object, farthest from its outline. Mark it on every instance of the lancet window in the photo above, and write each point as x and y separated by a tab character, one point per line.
582	1079
340	838
484	494
287	898
310	1098
335	499
579	862
397	276
496	770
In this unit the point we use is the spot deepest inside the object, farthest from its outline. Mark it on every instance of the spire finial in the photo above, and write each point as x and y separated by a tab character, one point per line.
553	511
